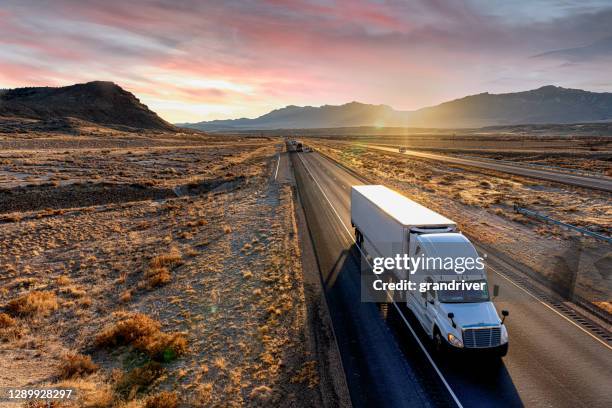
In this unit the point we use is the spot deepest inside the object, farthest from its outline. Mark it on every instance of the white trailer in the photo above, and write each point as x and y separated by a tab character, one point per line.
387	224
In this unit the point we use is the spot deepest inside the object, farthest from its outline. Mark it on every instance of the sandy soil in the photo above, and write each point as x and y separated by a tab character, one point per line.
182	292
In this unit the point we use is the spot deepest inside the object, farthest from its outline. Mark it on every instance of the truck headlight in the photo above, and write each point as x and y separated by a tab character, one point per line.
504	335
454	340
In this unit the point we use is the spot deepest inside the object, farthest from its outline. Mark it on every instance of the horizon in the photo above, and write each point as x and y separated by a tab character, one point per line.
389	106
201	62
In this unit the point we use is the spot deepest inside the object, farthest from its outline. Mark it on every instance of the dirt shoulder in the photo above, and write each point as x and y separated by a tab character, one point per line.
333	385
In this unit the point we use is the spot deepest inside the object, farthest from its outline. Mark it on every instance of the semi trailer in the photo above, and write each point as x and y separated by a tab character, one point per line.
390	226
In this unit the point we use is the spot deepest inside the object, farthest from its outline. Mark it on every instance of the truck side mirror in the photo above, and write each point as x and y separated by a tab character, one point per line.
505	314
495	290
451	315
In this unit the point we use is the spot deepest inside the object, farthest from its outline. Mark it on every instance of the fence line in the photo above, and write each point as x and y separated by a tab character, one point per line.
544	218
556	169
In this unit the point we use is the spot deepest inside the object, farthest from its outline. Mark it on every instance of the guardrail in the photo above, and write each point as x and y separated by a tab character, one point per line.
556	169
583	231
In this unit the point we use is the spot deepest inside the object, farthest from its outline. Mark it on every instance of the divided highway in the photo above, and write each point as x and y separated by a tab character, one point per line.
552	361
603	183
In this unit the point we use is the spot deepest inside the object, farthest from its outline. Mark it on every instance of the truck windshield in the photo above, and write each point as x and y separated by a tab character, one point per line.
465	296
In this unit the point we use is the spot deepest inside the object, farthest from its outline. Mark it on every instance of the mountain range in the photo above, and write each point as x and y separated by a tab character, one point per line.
99	102
548	104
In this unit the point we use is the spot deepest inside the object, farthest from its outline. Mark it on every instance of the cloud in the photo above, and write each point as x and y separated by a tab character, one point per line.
250	56
601	49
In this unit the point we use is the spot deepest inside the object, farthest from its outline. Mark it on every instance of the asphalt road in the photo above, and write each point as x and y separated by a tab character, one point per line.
552	361
604	184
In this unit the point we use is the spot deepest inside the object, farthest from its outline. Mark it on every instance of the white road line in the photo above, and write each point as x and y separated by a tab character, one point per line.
448	388
277	166
549	307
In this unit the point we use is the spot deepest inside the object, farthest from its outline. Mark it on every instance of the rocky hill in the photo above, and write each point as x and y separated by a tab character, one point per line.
103	103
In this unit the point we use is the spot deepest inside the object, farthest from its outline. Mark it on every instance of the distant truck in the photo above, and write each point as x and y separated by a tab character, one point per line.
402	149
298	147
387	223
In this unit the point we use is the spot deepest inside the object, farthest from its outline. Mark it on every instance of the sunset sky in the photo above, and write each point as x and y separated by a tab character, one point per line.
201	60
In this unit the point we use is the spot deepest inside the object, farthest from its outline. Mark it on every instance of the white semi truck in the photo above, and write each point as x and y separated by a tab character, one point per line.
388	225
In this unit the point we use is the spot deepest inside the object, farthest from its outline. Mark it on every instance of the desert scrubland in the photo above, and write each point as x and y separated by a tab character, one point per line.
578	147
151	269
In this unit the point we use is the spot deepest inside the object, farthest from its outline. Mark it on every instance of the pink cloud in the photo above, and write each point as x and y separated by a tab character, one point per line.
249	56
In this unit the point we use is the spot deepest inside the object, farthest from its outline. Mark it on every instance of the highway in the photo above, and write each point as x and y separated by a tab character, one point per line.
603	183
552	361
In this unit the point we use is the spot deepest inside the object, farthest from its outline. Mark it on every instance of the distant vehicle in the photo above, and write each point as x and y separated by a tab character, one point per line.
453	319
298	147
402	149
307	149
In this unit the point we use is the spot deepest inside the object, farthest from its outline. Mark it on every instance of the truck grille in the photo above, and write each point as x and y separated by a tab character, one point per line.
482	337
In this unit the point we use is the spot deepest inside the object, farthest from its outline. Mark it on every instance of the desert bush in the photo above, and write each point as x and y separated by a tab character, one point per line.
9	329
170	259
158	272
6	321
164	399
155	277
125	296
131	383
62	280
144	334
73	291
33	303
76	365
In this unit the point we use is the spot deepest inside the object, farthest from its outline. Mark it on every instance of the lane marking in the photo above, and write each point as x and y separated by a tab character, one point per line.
277	166
549	307
448	388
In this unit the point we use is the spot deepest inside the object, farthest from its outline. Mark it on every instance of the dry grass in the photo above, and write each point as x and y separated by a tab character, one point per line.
261	393
129	384
164	399
90	392
155	277
33	303
6	321
125	296
63	280
158	273
114	249
171	259
76	365
307	374
144	334
73	291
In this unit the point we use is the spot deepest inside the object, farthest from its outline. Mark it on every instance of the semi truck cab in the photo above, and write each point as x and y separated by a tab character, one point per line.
455	319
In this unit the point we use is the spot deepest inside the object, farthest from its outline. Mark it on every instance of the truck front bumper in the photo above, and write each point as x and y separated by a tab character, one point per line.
499	351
